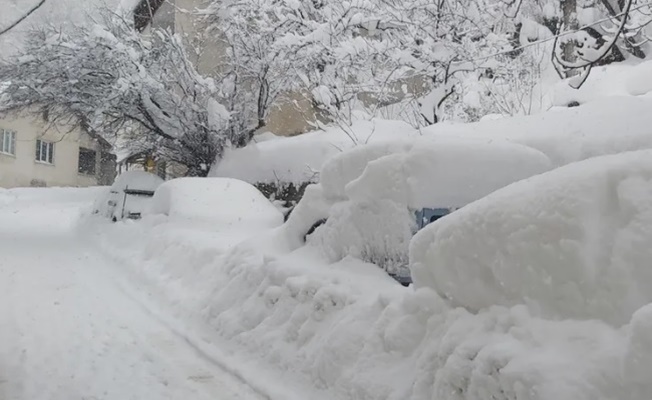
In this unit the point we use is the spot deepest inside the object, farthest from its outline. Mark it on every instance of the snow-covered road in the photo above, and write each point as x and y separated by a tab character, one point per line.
70	329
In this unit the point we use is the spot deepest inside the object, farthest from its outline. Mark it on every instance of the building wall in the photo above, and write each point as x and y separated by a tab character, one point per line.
22	169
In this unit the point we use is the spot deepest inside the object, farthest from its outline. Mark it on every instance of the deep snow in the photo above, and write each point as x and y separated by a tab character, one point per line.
71	327
345	330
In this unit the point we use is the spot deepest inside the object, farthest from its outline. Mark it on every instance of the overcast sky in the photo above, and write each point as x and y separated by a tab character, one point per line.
59	12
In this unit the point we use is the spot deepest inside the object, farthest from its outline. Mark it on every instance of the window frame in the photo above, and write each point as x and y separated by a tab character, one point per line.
79	163
49	152
12	142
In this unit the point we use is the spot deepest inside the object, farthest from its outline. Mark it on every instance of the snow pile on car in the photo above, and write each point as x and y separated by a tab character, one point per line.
375	189
221	201
573	243
137	180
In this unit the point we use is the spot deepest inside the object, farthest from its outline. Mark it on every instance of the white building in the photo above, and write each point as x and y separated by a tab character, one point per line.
34	153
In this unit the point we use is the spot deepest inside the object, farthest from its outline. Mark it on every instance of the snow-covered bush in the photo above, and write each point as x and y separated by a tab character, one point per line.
572	243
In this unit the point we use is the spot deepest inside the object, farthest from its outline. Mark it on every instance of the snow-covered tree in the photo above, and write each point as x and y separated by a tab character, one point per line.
368	53
253	74
142	93
587	32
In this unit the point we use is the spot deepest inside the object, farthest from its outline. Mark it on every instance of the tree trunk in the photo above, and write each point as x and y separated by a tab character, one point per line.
569	20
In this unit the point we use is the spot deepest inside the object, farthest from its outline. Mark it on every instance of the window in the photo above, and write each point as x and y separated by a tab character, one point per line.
86	161
7	142
44	152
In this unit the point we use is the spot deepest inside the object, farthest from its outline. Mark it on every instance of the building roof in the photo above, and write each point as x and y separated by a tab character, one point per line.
144	12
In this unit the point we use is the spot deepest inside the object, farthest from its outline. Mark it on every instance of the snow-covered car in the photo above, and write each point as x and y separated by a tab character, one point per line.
129	196
374	198
219	202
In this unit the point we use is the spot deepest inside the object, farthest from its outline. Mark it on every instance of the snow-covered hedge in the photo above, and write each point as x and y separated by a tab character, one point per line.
575	242
299	159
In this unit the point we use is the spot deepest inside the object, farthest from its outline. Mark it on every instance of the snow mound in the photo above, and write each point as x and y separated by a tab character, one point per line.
572	243
223	201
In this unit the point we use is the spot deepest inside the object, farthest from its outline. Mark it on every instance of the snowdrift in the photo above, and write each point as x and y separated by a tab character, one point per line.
572	243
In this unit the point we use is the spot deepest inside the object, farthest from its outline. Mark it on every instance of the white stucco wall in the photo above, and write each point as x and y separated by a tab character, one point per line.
22	169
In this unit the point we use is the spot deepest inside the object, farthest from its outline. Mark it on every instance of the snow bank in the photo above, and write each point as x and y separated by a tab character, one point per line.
572	243
27	208
345	330
222	201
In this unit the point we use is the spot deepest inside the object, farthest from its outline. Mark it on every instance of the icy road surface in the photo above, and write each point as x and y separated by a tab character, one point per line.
69	327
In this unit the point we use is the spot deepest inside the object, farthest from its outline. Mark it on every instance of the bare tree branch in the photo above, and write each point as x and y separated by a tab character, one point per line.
24	17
